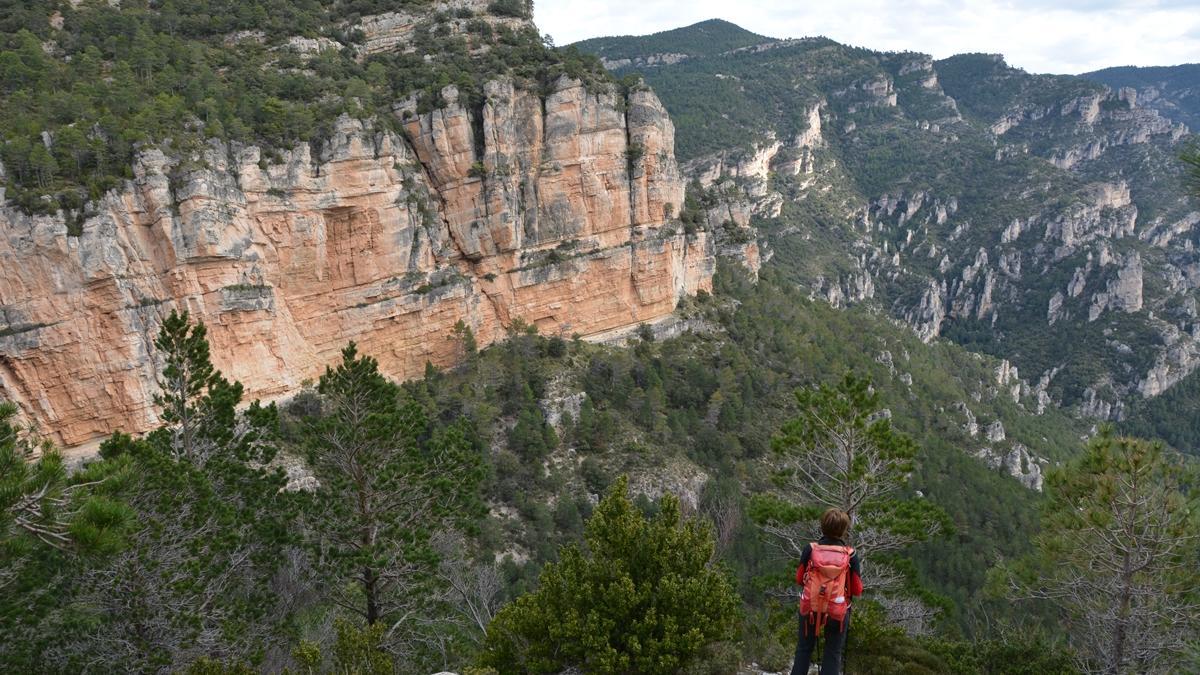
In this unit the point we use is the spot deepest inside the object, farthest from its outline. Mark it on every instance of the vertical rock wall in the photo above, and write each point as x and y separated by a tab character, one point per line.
526	208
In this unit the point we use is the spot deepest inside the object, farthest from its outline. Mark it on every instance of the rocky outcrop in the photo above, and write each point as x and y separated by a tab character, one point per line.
1096	404
394	31
749	169
1123	293
527	208
1053	199
926	319
1106	211
1116	120
650	60
1018	462
1178	361
849	289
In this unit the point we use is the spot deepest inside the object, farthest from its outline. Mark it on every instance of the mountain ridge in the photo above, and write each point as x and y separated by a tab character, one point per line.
935	186
1174	91
703	38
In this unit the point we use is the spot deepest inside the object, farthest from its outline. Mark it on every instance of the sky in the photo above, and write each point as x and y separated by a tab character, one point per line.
1041	36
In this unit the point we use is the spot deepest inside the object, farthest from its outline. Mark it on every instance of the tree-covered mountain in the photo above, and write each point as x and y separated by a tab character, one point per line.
1174	91
1038	218
707	38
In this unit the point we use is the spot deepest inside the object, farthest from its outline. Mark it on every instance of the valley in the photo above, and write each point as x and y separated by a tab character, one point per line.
388	337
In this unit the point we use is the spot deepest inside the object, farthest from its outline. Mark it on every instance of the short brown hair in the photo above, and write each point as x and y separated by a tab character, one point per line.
834	523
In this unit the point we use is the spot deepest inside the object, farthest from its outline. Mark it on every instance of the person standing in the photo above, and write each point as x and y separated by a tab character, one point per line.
830	575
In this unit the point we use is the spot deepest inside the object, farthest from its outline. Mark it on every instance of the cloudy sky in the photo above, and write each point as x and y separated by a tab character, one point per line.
1063	36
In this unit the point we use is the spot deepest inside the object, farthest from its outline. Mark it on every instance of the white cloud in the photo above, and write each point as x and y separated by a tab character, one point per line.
1070	36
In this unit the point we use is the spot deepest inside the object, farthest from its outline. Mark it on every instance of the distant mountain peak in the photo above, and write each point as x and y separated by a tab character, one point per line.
706	38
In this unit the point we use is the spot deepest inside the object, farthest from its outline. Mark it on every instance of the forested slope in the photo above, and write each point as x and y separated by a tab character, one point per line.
1041	219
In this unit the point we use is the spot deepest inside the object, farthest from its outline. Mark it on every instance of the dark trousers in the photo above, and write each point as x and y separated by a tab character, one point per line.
835	644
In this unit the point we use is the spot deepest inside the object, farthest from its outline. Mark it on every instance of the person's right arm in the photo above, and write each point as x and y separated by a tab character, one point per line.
855	585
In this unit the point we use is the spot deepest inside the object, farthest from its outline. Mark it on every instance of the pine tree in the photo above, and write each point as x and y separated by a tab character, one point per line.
197	402
1117	557
841	451
466	338
42	163
71	149
208	569
387	487
643	596
40	505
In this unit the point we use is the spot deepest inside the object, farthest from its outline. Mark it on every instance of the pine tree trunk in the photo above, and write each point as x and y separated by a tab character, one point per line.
371	591
1122	629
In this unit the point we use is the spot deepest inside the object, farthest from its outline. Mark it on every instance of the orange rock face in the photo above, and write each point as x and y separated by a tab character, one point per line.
527	209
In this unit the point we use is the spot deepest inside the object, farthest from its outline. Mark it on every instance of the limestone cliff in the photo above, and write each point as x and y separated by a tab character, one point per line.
555	209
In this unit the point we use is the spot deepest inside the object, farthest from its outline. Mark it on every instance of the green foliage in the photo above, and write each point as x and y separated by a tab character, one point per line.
1191	158
201	537
521	9
41	506
644	596
390	483
206	666
706	38
195	399
876	648
123	77
464	333
359	651
1116	557
847	416
1012	653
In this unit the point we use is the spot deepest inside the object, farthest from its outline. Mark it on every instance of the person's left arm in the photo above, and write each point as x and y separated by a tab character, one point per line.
855	586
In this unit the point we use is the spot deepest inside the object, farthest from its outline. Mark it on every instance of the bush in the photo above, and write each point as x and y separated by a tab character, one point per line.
642	597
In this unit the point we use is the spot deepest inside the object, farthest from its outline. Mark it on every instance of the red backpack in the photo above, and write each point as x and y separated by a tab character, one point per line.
825	582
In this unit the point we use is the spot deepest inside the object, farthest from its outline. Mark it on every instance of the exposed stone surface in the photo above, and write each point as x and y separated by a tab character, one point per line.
1095	405
677	476
394	31
1124	293
1176	363
1018	462
1008	376
1054	311
995	432
525	209
664	59
971	426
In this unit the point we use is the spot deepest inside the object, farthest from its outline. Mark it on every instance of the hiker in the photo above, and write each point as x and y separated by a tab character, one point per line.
829	575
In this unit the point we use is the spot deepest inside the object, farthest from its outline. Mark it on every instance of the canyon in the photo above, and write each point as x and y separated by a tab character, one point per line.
1039	219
